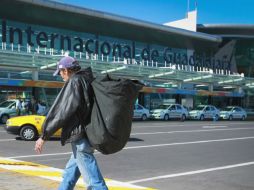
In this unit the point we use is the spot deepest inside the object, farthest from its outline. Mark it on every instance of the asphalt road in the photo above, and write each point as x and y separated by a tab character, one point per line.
162	155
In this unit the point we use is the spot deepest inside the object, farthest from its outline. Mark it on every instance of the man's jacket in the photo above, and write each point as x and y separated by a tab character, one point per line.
71	108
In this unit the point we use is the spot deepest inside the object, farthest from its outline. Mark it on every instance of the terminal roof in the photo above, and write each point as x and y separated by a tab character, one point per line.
55	14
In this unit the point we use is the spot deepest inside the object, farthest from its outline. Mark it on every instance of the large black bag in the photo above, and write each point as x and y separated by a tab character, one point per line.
112	111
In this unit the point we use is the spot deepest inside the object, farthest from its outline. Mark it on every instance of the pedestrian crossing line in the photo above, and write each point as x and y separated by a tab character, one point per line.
55	174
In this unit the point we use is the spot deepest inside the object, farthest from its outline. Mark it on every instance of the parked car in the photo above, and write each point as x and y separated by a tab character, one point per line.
140	112
28	127
202	112
7	110
233	112
171	111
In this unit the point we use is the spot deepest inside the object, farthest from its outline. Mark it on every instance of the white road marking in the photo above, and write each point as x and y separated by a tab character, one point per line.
39	155
177	124
191	172
136	147
157	126
6	140
52	159
213	126
186	143
192	131
239	123
30	168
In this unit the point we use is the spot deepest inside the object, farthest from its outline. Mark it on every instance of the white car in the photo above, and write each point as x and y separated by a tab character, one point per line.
140	112
233	112
171	111
202	112
7	110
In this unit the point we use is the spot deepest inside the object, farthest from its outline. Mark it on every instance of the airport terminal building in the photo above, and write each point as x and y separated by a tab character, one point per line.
212	65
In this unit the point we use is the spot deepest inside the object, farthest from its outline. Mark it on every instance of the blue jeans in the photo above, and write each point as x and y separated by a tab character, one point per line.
82	162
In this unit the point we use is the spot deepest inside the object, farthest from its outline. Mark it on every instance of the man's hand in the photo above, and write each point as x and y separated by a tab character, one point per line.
38	145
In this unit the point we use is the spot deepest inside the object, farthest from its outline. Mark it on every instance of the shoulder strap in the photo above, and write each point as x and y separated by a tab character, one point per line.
88	96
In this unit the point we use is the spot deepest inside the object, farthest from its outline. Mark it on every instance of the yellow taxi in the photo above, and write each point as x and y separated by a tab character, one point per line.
28	127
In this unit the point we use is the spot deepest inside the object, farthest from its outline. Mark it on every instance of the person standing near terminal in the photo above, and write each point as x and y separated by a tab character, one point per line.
70	105
34	107
41	108
19	107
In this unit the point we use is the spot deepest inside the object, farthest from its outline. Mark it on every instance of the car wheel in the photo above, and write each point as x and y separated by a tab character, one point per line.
216	118
4	118
201	118
230	118
243	118
183	118
28	133
144	117
166	117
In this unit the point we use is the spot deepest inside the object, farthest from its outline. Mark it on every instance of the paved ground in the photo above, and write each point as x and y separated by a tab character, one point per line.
12	180
159	155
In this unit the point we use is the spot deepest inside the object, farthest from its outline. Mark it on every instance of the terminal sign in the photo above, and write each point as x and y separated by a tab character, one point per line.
94	46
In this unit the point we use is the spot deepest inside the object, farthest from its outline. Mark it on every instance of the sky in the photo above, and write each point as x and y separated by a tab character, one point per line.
162	11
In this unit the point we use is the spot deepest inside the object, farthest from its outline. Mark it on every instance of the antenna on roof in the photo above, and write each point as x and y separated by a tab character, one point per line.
188	8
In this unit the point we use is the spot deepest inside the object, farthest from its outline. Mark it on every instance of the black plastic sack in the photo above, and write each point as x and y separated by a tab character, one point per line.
112	112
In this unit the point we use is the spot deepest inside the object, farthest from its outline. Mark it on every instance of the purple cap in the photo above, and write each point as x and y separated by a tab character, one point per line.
65	62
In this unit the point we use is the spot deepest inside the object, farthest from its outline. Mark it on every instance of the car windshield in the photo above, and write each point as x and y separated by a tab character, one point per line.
227	109
162	107
5	104
199	108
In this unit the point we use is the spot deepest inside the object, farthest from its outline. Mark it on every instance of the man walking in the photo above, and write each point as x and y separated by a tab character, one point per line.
70	112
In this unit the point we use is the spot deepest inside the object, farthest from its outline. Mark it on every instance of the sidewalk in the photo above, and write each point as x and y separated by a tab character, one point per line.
11	181
22	175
